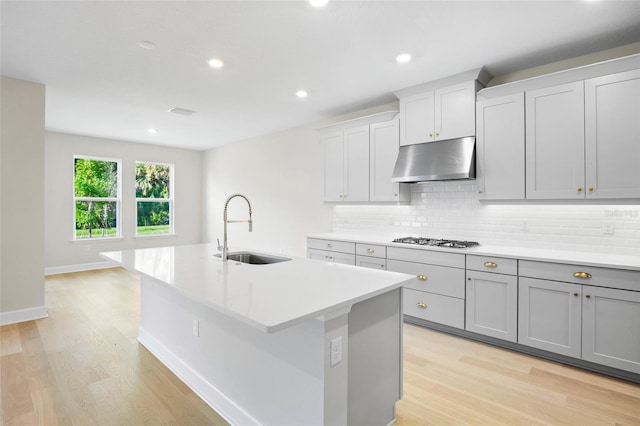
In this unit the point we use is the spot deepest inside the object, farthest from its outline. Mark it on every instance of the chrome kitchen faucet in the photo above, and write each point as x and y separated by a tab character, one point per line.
225	248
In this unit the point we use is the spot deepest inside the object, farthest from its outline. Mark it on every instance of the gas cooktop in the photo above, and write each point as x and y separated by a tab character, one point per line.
436	242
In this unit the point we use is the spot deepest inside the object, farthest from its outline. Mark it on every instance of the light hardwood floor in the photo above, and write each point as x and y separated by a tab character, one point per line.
83	366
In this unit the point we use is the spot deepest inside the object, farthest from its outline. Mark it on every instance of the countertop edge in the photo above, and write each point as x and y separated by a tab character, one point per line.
521	253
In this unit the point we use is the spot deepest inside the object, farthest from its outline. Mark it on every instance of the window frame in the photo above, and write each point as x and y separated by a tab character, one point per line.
170	200
117	200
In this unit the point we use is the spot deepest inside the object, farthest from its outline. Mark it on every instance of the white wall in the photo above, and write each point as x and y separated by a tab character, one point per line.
22	200
61	252
282	176
452	210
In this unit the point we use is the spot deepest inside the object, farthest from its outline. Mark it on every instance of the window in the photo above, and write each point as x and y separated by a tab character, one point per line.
96	197
154	199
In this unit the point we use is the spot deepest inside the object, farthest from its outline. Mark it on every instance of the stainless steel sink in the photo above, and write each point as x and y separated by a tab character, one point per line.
253	258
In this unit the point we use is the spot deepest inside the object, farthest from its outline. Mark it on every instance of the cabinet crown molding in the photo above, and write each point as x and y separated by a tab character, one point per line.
360	121
479	74
585	72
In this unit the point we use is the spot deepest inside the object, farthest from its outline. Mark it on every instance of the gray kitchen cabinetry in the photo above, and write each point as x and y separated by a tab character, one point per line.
331	251
589	313
437	292
359	156
492	297
581	129
346	155
384	145
371	256
612	151
500	148
555	142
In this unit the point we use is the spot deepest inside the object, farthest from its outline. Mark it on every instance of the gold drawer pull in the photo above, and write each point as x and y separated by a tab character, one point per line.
370	250
582	275
576	294
588	296
491	264
329	245
422	277
421	305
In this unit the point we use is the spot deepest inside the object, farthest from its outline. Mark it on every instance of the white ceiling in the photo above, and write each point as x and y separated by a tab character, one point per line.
100	82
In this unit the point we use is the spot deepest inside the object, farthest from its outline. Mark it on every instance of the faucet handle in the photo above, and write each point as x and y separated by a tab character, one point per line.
219	246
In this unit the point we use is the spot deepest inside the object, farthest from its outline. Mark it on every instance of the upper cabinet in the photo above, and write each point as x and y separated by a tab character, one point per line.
383	150
555	142
440	110
346	154
612	135
359	158
500	148
581	132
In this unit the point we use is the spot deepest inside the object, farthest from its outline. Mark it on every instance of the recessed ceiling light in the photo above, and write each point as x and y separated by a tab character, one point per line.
216	63
403	58
146	44
318	3
302	93
181	111
152	131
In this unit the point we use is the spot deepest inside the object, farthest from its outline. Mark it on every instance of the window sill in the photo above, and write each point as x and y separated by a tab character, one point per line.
154	236
96	240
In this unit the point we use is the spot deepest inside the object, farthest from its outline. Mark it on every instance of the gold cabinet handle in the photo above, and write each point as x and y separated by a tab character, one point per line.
580	189
491	264
437	133
588	296
582	275
576	294
430	135
479	192
329	245
421	305
591	189
370	250
422	277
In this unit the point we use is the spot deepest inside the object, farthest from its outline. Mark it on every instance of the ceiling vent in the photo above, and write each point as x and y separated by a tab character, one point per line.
182	111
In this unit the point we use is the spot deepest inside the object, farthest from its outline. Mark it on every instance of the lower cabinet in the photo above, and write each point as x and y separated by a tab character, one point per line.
611	327
434	307
371	262
331	251
437	293
550	316
492	305
593	323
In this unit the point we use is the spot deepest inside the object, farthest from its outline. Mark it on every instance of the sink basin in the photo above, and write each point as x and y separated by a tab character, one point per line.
253	258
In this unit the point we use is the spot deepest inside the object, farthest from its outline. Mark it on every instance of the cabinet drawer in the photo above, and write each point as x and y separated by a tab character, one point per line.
434	307
431	278
331	256
371	262
453	260
340	246
579	274
501	265
371	250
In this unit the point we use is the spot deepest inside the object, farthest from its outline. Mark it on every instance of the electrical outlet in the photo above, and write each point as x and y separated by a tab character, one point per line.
196	328
607	228
336	351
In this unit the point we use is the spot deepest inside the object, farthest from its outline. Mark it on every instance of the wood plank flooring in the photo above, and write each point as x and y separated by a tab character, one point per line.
84	366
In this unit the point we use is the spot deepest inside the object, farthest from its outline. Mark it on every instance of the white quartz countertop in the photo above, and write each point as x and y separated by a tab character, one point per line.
524	253
269	297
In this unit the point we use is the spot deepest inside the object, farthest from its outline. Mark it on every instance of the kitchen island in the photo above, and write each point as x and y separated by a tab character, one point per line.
297	342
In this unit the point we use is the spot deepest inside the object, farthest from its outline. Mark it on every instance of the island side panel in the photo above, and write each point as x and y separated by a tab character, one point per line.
248	376
375	359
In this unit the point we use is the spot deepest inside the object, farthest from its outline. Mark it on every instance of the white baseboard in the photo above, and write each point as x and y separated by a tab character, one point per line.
22	315
224	406
79	268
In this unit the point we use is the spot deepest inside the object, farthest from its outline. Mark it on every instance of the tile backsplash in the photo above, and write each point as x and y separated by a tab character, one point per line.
452	210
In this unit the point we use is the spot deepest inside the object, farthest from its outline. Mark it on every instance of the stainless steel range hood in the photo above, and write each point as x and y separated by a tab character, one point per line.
433	161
